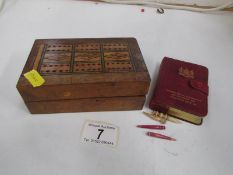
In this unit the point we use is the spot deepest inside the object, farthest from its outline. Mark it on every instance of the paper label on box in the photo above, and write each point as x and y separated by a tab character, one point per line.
100	133
34	78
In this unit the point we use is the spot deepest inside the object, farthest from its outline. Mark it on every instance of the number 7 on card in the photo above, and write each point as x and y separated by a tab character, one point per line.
100	133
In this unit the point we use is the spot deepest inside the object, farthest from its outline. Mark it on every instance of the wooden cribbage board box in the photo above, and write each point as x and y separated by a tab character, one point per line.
85	75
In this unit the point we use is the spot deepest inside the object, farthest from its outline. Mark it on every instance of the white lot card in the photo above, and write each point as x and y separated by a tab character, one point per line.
100	133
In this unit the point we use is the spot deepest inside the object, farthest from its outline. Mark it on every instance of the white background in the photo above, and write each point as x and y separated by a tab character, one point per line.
50	144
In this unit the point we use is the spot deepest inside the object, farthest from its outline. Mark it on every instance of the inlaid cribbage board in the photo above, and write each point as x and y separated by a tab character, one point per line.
86	56
98	74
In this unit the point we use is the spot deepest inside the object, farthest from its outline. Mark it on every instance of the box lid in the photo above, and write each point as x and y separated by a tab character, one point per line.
85	68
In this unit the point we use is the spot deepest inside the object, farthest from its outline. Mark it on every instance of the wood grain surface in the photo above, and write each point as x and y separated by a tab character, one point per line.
85	68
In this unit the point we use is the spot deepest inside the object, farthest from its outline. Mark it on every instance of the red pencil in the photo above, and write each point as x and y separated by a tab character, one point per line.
152	134
159	127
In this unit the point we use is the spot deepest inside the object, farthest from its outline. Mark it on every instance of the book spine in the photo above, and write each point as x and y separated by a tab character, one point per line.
155	105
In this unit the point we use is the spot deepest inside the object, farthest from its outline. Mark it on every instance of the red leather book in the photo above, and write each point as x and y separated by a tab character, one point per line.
181	90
